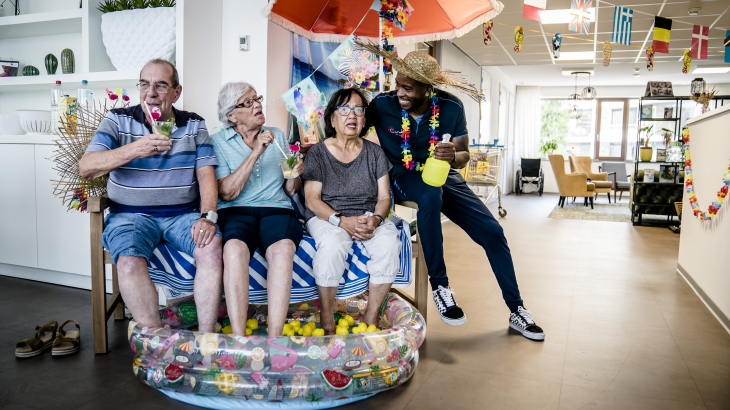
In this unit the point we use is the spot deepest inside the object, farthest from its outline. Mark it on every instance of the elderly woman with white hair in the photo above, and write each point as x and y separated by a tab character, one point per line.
254	208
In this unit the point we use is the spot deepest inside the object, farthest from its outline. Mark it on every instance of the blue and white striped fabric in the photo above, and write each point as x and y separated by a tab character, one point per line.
623	19
174	271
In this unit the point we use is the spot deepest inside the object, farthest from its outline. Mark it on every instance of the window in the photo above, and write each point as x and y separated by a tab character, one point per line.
574	137
632	130
611	136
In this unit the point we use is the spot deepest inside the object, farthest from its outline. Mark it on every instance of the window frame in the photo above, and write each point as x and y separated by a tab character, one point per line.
624	131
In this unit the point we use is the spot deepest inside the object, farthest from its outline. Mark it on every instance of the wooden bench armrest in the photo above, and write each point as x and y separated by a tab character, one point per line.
97	203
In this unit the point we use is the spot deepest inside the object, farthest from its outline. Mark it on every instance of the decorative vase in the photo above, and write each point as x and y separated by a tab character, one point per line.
134	37
67	61
51	64
29	70
645	153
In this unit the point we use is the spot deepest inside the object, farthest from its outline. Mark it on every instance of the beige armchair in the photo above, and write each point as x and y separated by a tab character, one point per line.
573	184
600	180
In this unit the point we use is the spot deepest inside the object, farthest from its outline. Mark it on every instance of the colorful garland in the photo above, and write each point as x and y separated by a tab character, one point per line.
433	125
714	208
393	13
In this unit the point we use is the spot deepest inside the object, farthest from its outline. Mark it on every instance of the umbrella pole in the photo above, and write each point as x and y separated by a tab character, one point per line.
381	77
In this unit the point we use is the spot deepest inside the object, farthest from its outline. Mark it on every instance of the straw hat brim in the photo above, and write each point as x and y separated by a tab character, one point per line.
441	78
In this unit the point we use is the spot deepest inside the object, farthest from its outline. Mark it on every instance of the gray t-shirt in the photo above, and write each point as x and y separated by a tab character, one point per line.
351	188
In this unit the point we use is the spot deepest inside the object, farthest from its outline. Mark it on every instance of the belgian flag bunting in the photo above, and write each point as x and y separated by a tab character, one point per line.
662	28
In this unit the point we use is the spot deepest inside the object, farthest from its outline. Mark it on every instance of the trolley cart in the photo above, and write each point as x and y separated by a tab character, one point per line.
484	169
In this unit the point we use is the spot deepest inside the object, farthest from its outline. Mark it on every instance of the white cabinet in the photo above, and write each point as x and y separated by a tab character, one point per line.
18	240
63	236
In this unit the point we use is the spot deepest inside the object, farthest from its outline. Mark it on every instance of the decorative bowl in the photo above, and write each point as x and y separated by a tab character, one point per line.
35	121
10	125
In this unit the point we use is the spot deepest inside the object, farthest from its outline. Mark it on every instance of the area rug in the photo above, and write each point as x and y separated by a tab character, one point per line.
601	212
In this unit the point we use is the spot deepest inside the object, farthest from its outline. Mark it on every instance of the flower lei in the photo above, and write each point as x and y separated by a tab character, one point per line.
714	208
433	125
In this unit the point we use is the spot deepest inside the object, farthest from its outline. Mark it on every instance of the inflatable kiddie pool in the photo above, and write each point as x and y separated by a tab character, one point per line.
226	371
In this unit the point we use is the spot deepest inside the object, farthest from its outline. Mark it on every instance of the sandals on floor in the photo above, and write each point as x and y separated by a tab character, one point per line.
43	339
67	342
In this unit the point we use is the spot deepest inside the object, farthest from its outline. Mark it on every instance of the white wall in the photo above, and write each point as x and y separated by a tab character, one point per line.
278	75
703	245
451	57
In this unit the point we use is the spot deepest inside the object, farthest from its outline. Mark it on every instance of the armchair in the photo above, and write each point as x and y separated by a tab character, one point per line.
600	180
573	184
617	172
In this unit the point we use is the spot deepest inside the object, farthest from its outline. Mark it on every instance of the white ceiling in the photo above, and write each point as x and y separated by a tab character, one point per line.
533	65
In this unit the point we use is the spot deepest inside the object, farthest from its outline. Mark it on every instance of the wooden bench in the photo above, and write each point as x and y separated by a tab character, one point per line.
103	308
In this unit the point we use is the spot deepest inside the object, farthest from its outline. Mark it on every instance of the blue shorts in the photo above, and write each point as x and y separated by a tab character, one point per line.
128	234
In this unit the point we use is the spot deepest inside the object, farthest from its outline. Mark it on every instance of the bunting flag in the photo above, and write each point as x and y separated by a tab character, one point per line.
662	28
623	19
727	46
581	18
686	61
700	36
607	54
532	8
650	59
488	32
519	36
557	41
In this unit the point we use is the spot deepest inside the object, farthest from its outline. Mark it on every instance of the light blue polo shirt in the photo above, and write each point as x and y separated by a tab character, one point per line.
265	186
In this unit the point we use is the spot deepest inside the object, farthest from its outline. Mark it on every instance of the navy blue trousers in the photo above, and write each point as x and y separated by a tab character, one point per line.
459	203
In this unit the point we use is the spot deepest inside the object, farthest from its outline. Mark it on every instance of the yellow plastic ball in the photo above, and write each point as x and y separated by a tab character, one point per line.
304	306
356	330
287	327
307	331
252	324
295	323
341	330
350	320
249	331
372	328
318	332
363	326
290	332
227	330
300	331
344	323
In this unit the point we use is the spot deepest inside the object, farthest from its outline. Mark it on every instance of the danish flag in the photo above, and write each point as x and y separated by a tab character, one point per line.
700	36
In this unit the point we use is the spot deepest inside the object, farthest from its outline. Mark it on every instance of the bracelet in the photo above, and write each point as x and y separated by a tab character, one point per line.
382	220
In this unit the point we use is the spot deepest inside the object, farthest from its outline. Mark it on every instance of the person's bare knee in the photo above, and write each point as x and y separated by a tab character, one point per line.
236	253
210	256
280	251
129	266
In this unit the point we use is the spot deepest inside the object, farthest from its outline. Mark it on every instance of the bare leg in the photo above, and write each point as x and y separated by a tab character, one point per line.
375	300
207	289
327	301
138	291
280	256
236	257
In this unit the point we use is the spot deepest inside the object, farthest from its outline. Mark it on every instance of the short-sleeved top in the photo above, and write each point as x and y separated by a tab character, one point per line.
161	185
387	117
351	188
265	185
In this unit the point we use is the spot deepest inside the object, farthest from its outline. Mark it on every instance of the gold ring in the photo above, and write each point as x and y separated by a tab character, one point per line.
202	230
155	148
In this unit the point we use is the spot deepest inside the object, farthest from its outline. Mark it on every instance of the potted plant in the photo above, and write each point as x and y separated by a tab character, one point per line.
667	136
137	31
548	147
645	151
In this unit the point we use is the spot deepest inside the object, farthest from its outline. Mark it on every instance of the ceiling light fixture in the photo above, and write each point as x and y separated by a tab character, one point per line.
694	11
589	93
574	100
708	69
575	55
567	72
637	72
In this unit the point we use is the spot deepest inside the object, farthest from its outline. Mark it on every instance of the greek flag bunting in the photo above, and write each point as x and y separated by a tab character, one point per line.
623	19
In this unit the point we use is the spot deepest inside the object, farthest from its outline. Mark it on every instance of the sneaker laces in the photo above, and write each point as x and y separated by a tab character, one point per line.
447	295
526	314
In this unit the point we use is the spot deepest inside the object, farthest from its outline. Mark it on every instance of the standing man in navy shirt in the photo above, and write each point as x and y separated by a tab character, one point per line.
428	114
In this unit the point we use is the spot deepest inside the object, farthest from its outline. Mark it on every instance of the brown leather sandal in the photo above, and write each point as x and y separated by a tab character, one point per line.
67	342
36	345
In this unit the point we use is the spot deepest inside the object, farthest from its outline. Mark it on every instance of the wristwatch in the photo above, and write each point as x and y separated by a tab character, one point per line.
335	219
382	220
211	216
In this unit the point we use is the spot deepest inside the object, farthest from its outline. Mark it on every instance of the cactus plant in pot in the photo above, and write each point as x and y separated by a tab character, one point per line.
137	31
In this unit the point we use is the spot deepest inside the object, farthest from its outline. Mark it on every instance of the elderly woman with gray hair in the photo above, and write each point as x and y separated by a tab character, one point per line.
254	208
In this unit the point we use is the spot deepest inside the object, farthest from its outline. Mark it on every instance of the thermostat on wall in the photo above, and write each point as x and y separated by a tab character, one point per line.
244	42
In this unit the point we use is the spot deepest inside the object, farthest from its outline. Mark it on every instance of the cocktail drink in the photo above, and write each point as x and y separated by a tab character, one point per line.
163	127
287	167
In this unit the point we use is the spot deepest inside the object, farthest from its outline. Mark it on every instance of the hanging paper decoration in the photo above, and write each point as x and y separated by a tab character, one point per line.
714	208
305	102
488	32
359	66
607	54
727	46
662	30
623	19
650	59
519	36
557	42
700	36
393	13
581	16
686	60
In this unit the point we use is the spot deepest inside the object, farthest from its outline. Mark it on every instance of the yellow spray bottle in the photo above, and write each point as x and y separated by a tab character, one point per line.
436	170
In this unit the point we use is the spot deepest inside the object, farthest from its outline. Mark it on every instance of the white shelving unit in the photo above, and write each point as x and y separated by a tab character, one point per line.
42	24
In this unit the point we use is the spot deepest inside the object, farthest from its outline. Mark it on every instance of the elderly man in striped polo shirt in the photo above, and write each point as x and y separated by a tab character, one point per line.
161	190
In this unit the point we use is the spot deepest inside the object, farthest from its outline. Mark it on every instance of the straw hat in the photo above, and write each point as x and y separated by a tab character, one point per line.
424	68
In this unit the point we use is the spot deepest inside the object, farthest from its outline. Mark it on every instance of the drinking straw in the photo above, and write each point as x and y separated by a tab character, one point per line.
149	113
282	151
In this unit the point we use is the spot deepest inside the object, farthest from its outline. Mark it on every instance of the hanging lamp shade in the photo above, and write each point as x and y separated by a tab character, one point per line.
589	93
575	112
574	98
698	87
334	20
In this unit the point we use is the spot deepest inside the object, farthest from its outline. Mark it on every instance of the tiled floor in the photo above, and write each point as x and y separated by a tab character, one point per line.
624	331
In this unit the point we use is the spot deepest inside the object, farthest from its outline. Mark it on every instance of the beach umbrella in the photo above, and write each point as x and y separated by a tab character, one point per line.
334	20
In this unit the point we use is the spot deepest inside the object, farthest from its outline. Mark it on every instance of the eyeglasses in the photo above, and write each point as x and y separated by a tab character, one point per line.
345	110
161	88
249	103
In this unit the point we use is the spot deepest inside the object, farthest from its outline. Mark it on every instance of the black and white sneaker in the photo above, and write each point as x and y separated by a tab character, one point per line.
449	311
522	322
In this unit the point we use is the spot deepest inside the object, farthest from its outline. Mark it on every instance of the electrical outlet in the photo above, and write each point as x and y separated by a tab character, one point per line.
244	42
